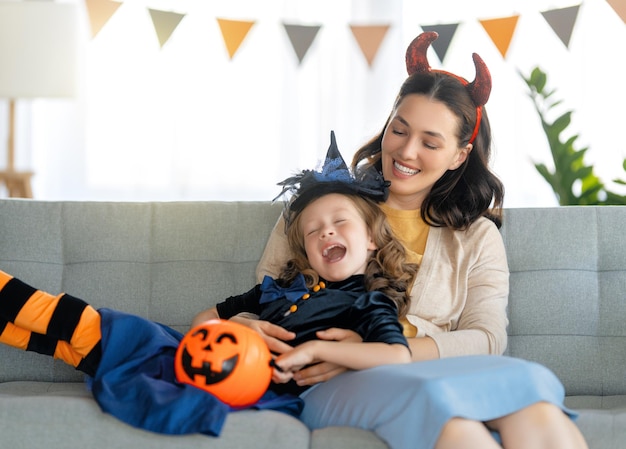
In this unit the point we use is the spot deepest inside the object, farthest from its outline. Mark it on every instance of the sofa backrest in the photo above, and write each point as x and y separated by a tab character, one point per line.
567	302
163	261
167	261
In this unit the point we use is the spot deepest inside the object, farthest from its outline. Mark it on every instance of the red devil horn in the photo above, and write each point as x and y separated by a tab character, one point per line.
416	60
480	88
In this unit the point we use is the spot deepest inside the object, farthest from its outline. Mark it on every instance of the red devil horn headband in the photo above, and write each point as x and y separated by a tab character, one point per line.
479	89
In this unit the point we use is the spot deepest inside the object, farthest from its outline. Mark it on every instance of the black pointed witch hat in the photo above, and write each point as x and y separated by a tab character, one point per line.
333	177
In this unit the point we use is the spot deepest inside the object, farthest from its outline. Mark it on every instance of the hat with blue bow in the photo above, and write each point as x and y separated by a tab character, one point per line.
333	177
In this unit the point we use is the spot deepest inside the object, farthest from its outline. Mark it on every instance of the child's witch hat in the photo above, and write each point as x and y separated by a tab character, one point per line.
333	177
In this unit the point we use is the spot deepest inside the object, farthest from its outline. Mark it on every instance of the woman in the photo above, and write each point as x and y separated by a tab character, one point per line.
445	205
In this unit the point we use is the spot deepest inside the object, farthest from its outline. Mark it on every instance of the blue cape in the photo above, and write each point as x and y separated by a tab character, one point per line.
135	381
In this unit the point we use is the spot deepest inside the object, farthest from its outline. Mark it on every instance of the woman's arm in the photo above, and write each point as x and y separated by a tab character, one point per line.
276	253
349	355
274	257
423	348
461	305
487	298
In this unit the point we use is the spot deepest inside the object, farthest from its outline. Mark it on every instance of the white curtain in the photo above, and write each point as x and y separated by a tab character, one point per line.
184	122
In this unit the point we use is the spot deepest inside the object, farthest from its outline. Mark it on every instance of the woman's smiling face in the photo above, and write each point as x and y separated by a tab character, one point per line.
419	145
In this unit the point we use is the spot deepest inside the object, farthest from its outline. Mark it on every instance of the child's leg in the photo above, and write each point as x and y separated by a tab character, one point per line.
24	339
62	326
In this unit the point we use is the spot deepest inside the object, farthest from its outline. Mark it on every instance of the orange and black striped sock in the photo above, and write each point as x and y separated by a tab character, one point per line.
61	326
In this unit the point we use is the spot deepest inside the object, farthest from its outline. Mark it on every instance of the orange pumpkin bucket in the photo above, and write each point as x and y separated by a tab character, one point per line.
226	359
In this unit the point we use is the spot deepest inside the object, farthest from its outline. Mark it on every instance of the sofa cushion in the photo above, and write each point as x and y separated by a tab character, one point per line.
35	414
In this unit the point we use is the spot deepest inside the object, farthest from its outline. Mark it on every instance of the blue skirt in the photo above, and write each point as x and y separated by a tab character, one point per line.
408	405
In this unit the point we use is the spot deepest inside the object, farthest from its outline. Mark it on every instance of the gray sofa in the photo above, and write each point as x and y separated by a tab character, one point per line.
166	261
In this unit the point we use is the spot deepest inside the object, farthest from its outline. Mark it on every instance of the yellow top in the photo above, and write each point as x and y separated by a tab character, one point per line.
410	229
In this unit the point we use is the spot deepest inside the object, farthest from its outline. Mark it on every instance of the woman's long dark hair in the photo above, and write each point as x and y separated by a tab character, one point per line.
463	195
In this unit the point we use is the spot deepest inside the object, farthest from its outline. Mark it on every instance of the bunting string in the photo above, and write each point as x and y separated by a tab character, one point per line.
367	37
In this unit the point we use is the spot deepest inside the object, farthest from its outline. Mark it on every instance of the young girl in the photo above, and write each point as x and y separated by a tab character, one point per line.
348	271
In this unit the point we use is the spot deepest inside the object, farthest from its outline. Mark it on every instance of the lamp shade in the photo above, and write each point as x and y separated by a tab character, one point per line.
38	49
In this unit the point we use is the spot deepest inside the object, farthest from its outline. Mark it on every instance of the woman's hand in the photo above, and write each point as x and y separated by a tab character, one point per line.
288	363
275	336
324	371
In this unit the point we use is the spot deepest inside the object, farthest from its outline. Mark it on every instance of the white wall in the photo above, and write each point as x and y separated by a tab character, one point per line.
184	122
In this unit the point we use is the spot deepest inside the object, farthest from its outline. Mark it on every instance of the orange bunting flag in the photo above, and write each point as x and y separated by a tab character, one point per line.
301	38
165	22
369	38
234	32
620	8
99	12
446	33
501	31
562	21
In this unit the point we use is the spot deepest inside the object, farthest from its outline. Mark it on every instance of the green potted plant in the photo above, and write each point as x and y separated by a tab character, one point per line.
572	180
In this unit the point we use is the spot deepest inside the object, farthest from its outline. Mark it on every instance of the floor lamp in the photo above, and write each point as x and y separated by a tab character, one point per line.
38	59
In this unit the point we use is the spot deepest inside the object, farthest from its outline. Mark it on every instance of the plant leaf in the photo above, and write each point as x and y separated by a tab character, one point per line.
570	171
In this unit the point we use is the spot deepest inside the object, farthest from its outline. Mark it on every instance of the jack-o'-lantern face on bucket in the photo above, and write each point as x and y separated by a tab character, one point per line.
199	344
226	359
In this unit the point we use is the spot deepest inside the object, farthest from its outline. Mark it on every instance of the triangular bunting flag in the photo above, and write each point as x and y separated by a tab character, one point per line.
501	31
620	8
301	37
446	33
234	32
99	12
562	21
165	22
369	38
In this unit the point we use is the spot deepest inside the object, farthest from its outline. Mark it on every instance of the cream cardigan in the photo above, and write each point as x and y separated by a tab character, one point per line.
460	293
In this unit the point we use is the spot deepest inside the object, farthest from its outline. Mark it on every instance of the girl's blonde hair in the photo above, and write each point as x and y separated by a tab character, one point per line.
387	270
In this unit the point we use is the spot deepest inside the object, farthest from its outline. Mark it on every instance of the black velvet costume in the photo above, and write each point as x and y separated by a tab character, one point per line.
344	304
